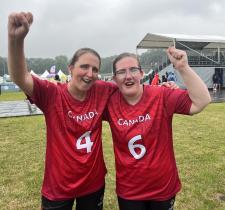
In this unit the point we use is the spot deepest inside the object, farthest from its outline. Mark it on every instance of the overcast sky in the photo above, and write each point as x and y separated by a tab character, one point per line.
109	26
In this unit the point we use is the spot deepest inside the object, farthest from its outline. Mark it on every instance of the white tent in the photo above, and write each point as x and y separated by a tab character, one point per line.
194	43
45	74
156	40
6	78
62	76
34	74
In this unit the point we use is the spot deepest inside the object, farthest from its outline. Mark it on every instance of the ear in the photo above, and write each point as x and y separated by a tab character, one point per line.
70	68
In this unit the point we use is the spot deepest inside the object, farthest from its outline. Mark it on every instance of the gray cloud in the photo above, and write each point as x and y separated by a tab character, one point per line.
109	26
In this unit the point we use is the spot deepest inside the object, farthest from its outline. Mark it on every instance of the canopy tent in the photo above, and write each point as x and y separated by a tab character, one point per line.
45	74
194	43
62	76
36	75
6	78
181	41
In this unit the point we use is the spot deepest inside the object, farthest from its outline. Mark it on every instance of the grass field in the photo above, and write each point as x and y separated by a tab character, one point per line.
12	96
199	146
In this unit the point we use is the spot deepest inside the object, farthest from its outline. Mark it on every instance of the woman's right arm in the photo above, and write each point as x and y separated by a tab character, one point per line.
18	27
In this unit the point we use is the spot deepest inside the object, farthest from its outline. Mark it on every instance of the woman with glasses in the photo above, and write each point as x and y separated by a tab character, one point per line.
74	165
140	117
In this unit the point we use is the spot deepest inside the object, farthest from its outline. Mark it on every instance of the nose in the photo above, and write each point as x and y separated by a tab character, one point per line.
90	72
128	74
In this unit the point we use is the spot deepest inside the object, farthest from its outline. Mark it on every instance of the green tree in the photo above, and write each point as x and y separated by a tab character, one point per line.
61	62
106	66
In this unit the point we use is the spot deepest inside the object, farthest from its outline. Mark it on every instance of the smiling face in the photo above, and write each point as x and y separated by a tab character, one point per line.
84	73
128	76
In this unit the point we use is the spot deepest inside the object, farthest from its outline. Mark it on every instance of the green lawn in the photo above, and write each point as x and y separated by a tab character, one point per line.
199	146
12	96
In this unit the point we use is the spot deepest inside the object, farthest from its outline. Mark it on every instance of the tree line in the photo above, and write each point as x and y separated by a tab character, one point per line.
151	59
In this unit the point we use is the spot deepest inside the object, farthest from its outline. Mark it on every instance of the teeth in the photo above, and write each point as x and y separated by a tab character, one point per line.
129	83
86	80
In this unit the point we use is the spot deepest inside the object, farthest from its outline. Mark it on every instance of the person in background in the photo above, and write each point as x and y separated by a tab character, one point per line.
171	77
57	78
164	79
140	117
155	80
216	82
74	164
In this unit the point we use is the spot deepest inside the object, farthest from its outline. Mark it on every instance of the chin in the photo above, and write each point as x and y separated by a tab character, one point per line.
86	88
129	93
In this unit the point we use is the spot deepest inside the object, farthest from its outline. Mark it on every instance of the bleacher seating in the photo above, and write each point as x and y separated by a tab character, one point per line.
18	108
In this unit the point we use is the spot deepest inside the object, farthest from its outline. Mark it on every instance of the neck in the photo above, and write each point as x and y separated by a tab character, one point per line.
75	93
134	99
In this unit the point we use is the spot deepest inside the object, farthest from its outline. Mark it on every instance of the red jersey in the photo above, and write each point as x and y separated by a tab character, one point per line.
74	163
143	143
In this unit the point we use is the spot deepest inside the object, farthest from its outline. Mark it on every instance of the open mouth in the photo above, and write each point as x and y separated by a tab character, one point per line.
128	84
87	81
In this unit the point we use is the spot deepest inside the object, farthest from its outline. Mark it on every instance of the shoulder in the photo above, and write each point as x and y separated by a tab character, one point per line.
47	87
165	92
174	94
42	83
153	89
105	86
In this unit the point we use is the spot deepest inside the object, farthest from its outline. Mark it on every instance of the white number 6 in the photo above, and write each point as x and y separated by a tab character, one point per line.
132	146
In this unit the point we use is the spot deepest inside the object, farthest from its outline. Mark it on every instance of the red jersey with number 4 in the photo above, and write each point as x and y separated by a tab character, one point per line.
74	163
143	143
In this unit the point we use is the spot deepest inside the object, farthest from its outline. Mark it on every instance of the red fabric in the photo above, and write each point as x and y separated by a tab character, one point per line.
155	80
153	176
71	171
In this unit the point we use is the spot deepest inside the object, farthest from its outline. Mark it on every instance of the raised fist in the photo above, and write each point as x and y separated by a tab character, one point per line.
19	24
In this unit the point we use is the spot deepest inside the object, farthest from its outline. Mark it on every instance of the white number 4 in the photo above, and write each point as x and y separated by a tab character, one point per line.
132	146
88	143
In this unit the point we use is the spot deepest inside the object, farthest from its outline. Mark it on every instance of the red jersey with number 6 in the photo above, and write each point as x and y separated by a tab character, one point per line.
143	143
74	163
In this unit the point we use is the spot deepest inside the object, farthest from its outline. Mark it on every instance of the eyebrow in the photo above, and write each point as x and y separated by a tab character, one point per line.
88	65
132	67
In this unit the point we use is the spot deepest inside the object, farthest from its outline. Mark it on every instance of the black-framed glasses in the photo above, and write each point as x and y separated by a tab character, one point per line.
132	70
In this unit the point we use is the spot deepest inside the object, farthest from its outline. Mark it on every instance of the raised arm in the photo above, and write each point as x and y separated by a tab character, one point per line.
198	91
18	27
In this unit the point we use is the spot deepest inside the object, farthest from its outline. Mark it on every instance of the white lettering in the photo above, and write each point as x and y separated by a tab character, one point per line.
138	119
86	117
91	115
79	118
147	117
141	118
119	121
70	114
125	123
83	117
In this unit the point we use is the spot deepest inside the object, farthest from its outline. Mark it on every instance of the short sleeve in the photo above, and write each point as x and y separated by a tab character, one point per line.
177	101
44	93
